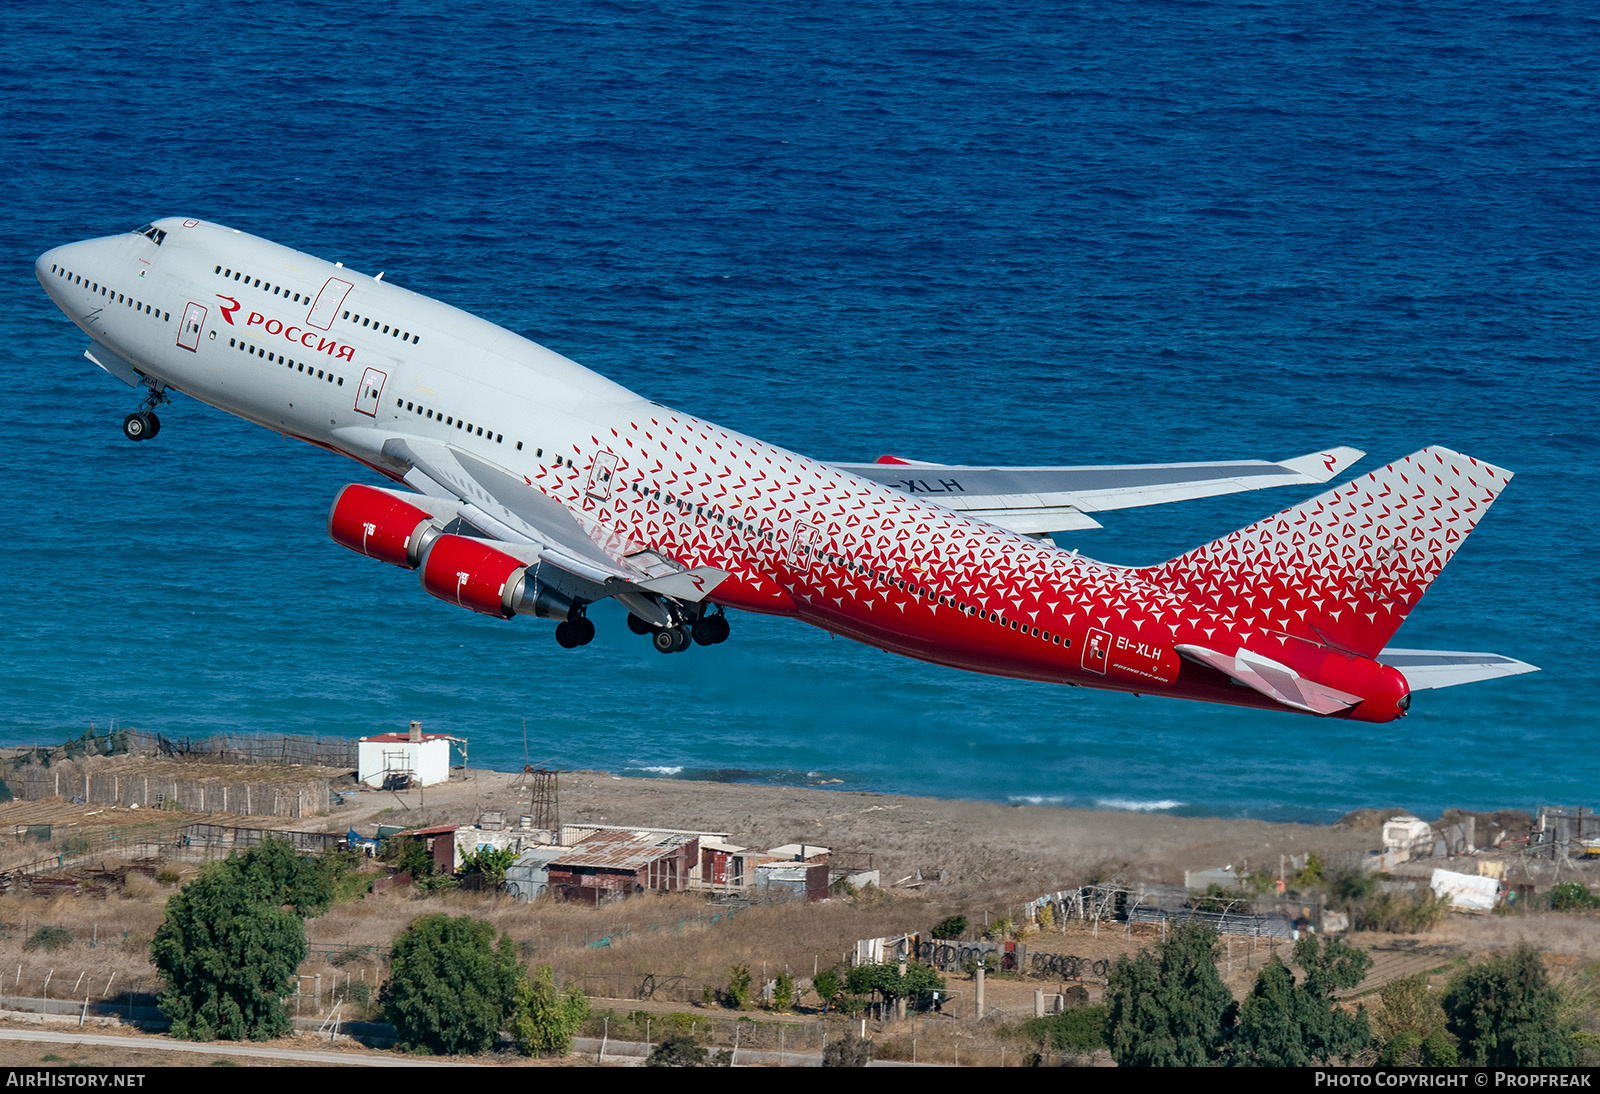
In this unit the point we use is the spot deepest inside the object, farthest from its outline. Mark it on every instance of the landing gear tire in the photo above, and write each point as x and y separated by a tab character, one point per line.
637	625
155	425
671	639
709	630
137	427
571	633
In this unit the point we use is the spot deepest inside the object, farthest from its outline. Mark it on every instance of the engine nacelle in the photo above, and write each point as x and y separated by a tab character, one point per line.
470	573
379	525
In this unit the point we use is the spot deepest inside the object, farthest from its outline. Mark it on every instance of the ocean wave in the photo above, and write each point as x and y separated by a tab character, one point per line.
1133	805
662	769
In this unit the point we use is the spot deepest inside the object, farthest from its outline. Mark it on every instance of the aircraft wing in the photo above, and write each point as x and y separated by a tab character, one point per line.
1037	500
536	529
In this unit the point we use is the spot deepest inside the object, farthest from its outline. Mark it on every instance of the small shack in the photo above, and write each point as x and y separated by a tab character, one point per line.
722	864
794	880
529	877
615	863
397	761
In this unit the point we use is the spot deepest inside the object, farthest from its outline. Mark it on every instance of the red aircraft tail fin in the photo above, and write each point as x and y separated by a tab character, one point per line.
1345	568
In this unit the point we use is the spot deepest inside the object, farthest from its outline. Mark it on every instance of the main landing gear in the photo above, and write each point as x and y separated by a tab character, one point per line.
707	630
571	633
143	424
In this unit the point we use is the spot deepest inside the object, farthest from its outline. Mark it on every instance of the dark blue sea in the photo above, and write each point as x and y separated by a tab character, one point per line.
1050	233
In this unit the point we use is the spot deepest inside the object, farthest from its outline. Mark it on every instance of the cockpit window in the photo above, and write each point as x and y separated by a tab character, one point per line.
151	231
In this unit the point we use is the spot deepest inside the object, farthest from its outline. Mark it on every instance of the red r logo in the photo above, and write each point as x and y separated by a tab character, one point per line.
227	313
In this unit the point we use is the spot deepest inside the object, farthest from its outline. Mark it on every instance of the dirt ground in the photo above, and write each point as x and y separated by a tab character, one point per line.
935	857
976	847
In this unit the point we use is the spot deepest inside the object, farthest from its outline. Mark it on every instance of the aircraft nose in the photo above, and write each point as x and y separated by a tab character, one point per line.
56	267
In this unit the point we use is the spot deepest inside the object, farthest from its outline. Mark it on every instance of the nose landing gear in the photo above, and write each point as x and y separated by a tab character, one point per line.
143	424
140	426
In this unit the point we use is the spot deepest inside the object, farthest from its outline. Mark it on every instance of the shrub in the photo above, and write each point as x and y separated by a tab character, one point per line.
49	939
950	928
1407	1005
847	1052
543	1018
1400	914
677	1050
1571	896
1080	1030
489	862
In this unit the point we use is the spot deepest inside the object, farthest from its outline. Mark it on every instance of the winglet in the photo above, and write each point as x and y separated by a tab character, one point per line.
1322	466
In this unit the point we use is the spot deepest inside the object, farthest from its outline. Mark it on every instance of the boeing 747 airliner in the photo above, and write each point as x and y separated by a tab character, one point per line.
537	487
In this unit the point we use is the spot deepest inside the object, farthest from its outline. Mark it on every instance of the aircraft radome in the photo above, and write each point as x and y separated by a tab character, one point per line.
528	485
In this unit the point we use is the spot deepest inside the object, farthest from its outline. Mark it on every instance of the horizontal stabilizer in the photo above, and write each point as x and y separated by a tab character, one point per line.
1273	680
1427	669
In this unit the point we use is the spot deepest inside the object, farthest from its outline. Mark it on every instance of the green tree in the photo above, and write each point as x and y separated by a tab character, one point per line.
952	928
1170	1008
232	941
783	991
1504	1014
544	1018
450	986
917	983
827	985
738	994
1287	1024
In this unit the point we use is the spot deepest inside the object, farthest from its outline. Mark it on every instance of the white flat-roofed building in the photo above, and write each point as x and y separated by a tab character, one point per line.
422	758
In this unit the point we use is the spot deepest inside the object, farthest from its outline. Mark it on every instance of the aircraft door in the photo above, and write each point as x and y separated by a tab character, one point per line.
329	300
600	475
803	546
372	382
1097	650
194	318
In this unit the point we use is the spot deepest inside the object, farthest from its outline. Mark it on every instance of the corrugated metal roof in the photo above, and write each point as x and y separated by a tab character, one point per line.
623	850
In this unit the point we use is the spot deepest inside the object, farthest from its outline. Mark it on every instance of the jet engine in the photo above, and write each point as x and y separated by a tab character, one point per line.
379	525
470	573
